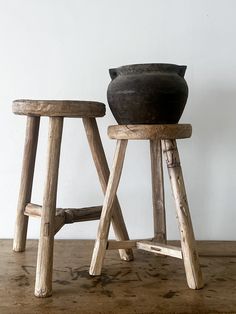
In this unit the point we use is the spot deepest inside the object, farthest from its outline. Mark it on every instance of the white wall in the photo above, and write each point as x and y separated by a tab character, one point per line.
62	49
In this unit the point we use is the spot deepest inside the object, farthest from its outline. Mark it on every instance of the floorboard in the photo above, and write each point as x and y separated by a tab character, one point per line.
149	284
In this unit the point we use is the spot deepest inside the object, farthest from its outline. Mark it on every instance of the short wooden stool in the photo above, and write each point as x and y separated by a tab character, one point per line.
53	219
162	138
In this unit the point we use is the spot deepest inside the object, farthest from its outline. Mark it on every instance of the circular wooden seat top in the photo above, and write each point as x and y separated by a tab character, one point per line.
149	131
59	108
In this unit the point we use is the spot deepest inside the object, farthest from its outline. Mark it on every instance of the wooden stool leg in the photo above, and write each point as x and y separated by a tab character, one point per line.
100	161
31	141
43	285
105	220
189	250
158	200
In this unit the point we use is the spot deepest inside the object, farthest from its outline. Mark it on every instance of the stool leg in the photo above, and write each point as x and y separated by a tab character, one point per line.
188	244
105	220
43	285
31	141
100	161
158	200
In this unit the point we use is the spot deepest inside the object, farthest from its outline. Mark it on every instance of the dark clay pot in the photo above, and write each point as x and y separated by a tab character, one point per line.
147	93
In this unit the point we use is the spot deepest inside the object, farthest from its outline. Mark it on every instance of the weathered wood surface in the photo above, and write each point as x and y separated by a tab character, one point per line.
43	284
101	165
31	141
151	284
66	215
114	245
33	210
158	198
149	245
104	225
58	108
150	132
70	215
212	248
159	248
188	244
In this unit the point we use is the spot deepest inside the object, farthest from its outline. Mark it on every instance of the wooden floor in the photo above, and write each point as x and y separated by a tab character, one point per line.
149	284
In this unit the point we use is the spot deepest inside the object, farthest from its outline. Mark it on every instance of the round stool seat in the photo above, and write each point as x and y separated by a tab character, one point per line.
149	131
59	108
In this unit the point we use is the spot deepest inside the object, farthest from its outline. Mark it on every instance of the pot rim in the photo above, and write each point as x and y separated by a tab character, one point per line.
147	67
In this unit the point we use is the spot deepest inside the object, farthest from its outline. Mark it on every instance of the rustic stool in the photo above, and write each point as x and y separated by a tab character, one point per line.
162	138
53	219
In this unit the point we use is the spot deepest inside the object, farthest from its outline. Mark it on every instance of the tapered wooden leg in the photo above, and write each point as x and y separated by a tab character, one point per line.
105	220
159	215
43	285
100	161
31	140
188	244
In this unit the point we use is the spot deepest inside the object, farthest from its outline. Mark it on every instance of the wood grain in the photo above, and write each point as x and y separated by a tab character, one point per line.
188	244
114	245
151	284
160	248
158	198
101	165
31	141
69	215
104	225
58	108
150	132
43	284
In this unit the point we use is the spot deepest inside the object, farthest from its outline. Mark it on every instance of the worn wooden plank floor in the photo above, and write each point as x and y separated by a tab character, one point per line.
149	284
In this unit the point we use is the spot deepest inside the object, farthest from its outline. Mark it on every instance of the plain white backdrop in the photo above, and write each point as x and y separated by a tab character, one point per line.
62	49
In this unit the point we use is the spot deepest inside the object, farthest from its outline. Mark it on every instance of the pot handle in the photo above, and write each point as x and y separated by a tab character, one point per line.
113	73
182	70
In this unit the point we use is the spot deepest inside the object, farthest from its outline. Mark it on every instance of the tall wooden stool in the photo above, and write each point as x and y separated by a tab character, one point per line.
162	138
53	219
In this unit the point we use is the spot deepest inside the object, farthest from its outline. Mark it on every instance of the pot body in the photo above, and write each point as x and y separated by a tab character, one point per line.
147	93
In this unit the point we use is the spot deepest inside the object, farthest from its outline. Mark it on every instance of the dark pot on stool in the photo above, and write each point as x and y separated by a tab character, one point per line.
147	93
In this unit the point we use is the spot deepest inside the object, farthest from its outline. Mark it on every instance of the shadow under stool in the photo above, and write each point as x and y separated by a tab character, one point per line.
162	139
53	219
